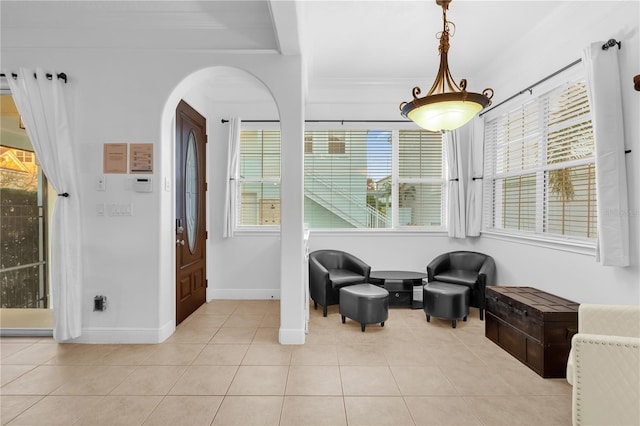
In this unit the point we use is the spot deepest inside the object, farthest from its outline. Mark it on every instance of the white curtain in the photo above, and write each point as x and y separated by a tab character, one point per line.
603	87
42	106
233	164
476	172
455	186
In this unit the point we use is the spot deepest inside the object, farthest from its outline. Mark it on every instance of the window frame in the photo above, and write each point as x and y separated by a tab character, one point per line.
400	180
538	237
248	230
395	229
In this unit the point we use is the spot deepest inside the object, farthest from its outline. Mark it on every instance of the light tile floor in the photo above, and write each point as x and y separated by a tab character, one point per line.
224	366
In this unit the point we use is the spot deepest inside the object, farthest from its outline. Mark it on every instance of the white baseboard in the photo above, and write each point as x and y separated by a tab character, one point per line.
26	332
167	330
125	335
244	294
291	336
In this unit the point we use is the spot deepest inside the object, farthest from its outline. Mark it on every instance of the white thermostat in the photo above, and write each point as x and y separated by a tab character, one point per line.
143	184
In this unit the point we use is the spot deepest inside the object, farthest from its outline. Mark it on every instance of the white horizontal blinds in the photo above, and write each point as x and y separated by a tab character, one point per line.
571	210
490	208
517	153
349	178
336	143
570	178
346	174
420	178
570	133
259	177
420	155
518	140
517	202
540	166
308	144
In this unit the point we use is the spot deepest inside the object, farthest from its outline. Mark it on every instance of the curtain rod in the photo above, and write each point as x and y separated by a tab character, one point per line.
61	76
223	121
610	43
528	89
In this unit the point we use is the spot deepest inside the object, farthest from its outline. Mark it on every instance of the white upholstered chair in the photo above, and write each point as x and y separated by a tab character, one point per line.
604	366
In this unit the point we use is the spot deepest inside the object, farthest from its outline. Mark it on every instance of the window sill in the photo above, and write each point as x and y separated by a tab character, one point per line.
587	248
404	232
255	231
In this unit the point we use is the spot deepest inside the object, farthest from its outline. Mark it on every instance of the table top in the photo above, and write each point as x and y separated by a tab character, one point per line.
397	275
539	300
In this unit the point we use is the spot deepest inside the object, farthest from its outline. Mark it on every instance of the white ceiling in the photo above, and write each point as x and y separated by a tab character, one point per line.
213	25
345	41
381	40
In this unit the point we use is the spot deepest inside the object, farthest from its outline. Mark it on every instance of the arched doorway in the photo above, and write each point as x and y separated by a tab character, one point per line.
216	93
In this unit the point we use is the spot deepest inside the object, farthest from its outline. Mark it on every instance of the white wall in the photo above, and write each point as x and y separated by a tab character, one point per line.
571	275
547	47
246	266
130	96
554	44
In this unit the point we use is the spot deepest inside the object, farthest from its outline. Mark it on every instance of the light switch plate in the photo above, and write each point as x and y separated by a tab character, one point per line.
121	209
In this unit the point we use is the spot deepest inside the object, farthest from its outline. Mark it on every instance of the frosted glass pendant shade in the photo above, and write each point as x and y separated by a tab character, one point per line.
447	115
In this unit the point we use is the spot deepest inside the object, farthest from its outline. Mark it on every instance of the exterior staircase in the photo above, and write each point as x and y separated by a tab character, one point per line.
347	206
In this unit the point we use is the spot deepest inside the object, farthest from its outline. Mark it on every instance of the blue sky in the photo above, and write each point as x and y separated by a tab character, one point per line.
378	154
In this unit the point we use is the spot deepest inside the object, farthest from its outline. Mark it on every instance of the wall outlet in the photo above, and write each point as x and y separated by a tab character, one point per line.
99	303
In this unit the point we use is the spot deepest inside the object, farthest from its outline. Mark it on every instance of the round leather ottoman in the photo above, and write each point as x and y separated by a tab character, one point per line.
364	303
444	300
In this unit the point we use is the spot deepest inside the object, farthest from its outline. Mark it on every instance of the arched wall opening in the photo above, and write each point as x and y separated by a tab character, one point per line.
245	267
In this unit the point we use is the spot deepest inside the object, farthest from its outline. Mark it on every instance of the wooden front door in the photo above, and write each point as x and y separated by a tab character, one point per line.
191	235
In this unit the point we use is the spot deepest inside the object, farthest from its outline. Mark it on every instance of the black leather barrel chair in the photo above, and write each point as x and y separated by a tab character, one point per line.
330	270
468	268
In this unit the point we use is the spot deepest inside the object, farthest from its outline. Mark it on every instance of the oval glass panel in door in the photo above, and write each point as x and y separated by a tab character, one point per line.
191	192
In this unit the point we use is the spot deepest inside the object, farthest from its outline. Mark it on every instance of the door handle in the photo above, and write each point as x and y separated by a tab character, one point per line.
180	242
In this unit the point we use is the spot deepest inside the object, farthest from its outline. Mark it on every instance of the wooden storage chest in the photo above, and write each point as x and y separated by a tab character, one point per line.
534	326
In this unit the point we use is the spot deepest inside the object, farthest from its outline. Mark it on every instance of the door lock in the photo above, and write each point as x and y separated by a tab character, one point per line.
180	242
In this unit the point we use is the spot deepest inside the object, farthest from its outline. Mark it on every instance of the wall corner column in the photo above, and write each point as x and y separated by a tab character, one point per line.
292	303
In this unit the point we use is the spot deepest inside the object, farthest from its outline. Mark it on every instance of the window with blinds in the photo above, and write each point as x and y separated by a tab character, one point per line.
353	179
373	179
540	166
259	180
420	178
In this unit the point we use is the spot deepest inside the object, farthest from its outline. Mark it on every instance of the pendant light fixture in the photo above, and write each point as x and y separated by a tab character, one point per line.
448	105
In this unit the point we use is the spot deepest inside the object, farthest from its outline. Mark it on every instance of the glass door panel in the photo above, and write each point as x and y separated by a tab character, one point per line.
23	213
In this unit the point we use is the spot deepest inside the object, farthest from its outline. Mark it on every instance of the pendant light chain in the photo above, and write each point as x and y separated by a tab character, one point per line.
444	79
